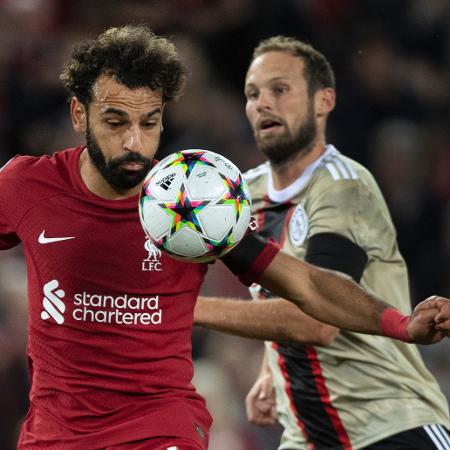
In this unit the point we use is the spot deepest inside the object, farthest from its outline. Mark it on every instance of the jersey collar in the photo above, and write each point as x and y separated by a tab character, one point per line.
300	183
129	203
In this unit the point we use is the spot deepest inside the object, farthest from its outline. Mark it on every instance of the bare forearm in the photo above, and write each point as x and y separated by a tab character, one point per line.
325	295
271	319
351	306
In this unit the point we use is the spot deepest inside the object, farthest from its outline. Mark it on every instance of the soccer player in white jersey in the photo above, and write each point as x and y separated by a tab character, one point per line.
332	389
109	344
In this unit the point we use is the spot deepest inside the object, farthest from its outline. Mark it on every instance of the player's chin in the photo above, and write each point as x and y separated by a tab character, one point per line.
264	138
270	140
129	179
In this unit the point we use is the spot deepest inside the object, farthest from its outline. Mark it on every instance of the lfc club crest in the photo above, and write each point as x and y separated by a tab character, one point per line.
152	263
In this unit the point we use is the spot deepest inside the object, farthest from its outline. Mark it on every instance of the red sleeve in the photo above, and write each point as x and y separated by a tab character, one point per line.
250	258
8	238
8	203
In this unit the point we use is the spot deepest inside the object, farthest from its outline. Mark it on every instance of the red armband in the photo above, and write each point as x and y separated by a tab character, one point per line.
251	257
394	324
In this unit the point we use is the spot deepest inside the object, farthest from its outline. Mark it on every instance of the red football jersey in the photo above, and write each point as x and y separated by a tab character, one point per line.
110	316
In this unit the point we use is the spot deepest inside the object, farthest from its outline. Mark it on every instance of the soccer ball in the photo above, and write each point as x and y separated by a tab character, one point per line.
195	205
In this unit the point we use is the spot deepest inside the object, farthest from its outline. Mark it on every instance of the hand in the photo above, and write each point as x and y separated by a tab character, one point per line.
442	320
430	321
260	402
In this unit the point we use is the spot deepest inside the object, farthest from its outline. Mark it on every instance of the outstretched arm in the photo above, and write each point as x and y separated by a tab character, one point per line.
334	298
268	319
337	300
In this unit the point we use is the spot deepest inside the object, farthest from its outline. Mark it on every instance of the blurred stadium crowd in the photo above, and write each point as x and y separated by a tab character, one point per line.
392	63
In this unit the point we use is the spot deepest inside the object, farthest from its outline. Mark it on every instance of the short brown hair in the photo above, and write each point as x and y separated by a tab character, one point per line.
133	55
318	72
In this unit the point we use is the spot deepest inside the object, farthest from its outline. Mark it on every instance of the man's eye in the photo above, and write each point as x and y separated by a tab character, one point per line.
251	95
149	124
279	90
114	123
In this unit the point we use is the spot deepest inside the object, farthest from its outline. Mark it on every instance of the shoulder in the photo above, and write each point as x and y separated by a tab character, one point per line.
253	174
344	197
15	172
257	179
17	164
38	177
337	172
338	167
27	167
342	186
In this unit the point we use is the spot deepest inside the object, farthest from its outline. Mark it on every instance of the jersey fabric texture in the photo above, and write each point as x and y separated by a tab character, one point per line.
110	316
361	388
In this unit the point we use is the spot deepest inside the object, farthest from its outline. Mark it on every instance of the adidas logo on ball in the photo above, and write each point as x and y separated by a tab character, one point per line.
166	181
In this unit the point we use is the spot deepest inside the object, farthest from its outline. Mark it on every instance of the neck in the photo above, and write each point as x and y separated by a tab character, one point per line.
285	173
95	182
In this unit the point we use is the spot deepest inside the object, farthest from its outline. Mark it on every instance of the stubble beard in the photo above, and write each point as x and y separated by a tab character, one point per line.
285	147
118	178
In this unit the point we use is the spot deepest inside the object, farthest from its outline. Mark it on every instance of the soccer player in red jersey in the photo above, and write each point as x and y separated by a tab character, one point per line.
110	320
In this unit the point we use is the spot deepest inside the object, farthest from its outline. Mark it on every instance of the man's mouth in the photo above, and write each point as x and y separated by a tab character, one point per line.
268	125
132	166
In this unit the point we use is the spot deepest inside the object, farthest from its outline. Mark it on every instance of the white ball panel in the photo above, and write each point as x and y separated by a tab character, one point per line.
224	165
166	183
242	224
156	221
187	242
204	183
216	220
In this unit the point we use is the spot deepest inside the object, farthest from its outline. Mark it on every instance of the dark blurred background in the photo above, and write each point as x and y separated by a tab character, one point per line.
392	63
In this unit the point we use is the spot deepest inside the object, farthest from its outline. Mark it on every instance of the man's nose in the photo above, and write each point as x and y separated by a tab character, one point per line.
133	139
264	102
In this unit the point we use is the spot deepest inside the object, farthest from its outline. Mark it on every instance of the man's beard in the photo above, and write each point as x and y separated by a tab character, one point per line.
285	147
112	171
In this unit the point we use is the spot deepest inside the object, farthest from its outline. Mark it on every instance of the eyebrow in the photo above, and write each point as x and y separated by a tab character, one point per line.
121	113
271	80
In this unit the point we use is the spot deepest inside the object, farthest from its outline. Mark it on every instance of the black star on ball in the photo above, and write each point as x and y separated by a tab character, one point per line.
194	159
236	189
186	211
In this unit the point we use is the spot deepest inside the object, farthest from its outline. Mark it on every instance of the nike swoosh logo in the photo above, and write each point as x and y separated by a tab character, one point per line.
46	240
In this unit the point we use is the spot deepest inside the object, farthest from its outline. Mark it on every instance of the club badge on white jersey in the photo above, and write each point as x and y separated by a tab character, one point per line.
298	226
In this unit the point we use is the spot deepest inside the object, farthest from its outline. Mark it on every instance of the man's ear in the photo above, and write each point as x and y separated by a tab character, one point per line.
79	116
325	100
161	118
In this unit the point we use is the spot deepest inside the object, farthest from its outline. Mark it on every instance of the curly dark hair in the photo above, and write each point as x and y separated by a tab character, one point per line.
318	72
133	55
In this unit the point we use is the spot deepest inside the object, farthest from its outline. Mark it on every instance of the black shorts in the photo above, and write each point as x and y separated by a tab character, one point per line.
429	437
